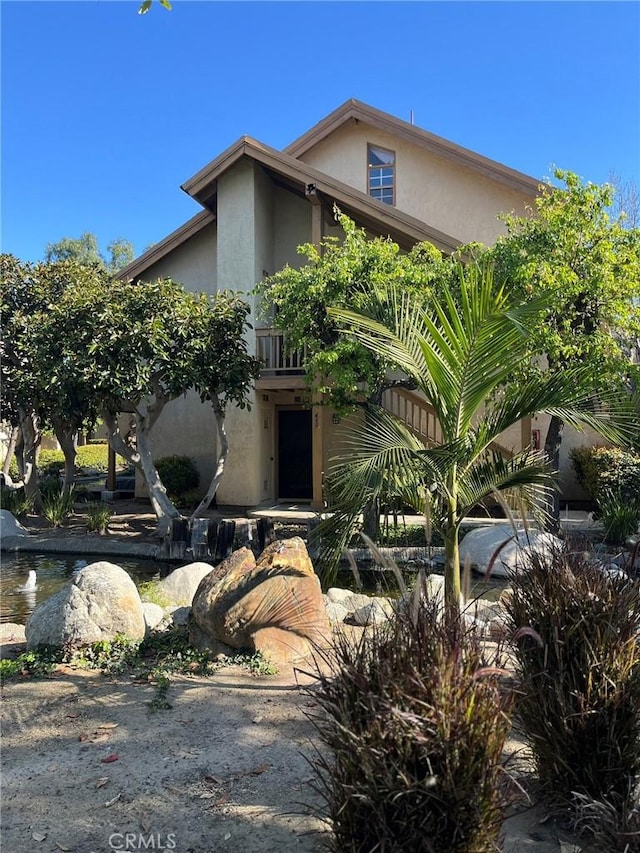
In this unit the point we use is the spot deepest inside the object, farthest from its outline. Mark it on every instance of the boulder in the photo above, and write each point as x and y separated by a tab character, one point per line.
154	615
510	548
338	595
336	612
180	586
377	611
10	526
274	605
98	603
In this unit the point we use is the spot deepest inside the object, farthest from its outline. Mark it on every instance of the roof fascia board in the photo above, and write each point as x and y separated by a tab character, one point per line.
438	145
166	245
292	168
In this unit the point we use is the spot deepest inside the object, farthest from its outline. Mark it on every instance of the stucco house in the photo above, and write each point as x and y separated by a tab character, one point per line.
258	205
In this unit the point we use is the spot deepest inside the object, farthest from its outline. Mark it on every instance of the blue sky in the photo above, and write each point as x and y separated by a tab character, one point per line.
106	112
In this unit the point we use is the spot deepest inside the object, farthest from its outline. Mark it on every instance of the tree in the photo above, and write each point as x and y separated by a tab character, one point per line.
36	392
464	352
343	274
85	250
136	347
587	266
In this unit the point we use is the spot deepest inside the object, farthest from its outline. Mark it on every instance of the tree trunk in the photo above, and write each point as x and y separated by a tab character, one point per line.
452	561
141	457
552	449
66	436
31	438
11	449
222	458
371	519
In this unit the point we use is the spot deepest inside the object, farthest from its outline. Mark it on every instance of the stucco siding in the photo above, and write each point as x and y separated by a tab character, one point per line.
193	263
444	194
292	228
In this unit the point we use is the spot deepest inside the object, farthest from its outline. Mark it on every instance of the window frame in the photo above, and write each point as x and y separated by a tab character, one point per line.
370	168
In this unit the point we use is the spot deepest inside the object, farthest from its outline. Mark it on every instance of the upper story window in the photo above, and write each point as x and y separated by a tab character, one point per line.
382	167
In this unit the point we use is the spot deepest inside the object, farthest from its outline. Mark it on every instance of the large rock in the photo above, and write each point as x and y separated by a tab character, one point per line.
274	606
98	603
480	546
180	586
10	526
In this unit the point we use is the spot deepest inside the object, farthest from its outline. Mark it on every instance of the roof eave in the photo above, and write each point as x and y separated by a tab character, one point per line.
359	111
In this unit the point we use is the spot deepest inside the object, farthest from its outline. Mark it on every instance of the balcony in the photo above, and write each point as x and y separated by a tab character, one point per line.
280	369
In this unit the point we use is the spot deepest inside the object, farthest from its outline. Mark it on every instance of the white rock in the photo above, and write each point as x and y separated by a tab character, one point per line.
180	586
480	545
373	613
10	526
154	615
179	615
98	603
336	612
335	593
355	600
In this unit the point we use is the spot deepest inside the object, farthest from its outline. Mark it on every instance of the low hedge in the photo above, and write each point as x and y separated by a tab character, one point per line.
607	470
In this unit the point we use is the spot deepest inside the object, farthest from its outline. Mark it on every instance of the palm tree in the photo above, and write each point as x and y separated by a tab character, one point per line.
466	351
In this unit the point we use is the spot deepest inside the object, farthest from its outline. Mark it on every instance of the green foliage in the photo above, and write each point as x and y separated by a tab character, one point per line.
463	351
414	719
578	663
84	250
607	469
15	501
152	591
146	5
587	265
620	516
57	504
35	664
98	517
343	274
178	474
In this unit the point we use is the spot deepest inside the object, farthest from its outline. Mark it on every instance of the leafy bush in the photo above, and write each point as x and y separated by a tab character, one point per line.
178	474
415	722
607	469
579	670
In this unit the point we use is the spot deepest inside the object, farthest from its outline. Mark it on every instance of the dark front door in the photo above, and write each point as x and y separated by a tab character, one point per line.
294	454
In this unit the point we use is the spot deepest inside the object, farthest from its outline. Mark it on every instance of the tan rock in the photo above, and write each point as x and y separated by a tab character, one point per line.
274	606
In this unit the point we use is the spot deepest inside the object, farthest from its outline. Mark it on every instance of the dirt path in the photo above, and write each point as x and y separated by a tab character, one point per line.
223	770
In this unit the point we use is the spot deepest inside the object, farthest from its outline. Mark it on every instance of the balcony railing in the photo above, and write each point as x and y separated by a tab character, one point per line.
276	361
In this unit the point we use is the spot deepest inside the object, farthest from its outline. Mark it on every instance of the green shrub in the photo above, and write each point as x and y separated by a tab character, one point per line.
98	517
607	469
178	474
619	515
15	501
415	722
579	672
57	505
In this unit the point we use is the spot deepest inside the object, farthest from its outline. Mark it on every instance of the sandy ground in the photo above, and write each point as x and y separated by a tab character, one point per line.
88	767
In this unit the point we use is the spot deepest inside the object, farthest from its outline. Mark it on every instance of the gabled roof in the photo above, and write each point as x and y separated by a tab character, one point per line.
301	177
353	110
168	244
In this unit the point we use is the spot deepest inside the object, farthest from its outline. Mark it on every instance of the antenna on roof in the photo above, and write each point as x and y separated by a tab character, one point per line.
411	116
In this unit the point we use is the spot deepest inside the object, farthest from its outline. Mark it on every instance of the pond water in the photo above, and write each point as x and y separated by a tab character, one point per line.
53	571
